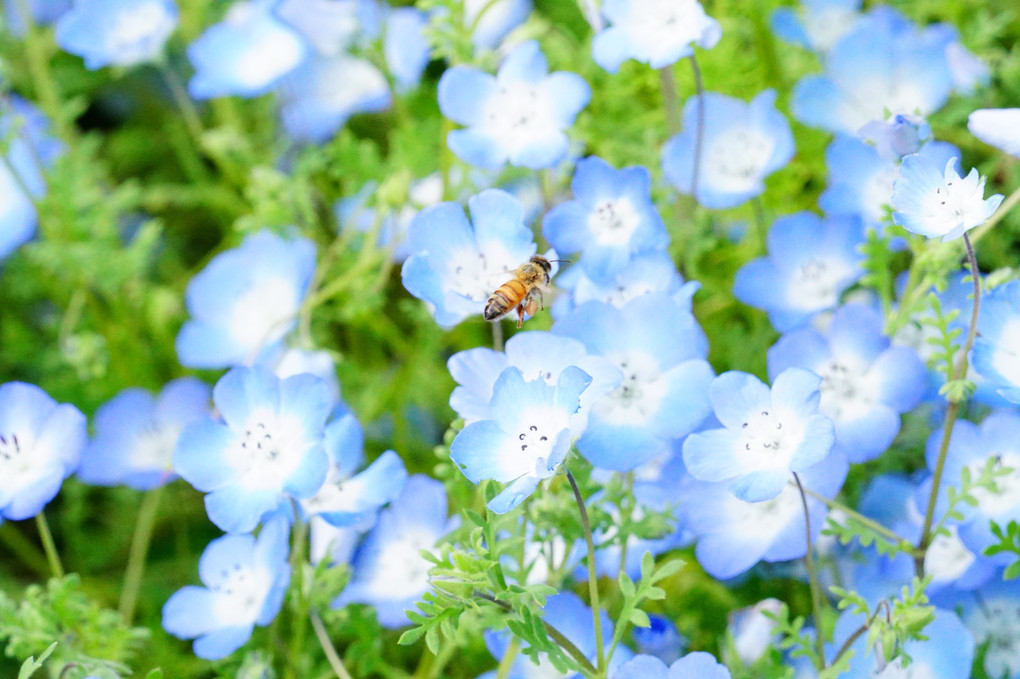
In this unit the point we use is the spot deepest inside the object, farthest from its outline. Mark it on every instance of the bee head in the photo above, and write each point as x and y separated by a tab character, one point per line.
542	262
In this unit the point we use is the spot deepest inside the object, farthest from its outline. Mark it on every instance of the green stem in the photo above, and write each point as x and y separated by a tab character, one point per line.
860	518
298	558
24	549
809	561
56	568
670	101
332	657
761	229
135	569
699	136
38	55
507	662
497	335
593	583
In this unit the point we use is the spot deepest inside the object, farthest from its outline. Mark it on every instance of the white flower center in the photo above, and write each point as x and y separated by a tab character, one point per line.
1007	495
264	312
136	25
845	393
660	24
826	27
613	221
947	557
241	594
957	201
401	572
637	399
769	440
997	621
815	283
735	160
269	450
870	99
476	276
154	446
517	115
19	463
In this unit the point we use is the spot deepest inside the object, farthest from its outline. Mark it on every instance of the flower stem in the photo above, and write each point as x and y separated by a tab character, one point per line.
56	568
860	518
497	335
507	662
700	133
133	573
38	57
332	657
761	228
809	561
952	411
24	549
669	99
298	558
593	583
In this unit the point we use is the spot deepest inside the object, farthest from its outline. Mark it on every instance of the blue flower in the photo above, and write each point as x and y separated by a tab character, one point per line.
993	618
660	349
245	54
458	264
966	69
697	665
995	353
40	445
930	201
809	264
245	580
653	32
388	571
742	144
492	20
268	448
733	534
518	116
318	363
404	44
28	144
884	65
866	383
660	639
753	632
528	437
900	135
329	26
116	32
136	433
610	219
42	11
818	25
245	301
998	127
766	434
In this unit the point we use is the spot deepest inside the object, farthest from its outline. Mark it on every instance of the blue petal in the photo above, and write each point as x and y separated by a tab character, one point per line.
222	642
760	485
514	494
610	48
478	148
568	93
819	437
686	403
803	348
200	457
238	510
464	94
479	451
797	389
616	447
190	612
242	391
868	436
525	63
571	383
711	455
736	395
903	378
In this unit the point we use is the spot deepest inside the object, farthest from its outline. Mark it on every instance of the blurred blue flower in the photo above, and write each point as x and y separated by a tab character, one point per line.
532	427
897	136
42	12
998	127
810	263
245	580
886	65
456	265
245	54
660	639
753	632
993	618
517	116
245	301
356	211
653	32
660	349
610	219
733	535
995	351
329	26
41	442
404	45
116	32
696	665
742	143
932	201
492	20
318	363
766	433
818	25
866	382
267	449
388	571
135	434
967	71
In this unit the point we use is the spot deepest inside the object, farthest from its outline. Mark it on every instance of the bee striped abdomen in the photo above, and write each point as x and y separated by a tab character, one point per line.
506	297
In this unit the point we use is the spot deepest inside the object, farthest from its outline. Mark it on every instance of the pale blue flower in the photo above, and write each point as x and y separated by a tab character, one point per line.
492	20
897	136
752	631
998	127
655	32
331	27
697	665
816	24
996	356
993	618
42	12
117	32
660	639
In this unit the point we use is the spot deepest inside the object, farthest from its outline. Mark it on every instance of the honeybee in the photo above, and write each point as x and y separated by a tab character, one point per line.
529	279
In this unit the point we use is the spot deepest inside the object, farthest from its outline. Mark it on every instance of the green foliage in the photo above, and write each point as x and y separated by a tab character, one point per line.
634	596
1008	543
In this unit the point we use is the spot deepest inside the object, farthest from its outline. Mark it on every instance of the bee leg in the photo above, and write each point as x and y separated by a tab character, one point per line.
541	297
520	315
531	307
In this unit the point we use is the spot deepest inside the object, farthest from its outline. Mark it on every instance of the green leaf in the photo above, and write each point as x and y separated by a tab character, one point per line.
29	667
639	618
411	636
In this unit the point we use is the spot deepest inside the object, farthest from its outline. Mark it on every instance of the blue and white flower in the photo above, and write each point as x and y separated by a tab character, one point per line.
967	71
245	580
245	301
816	24
661	350
40	445
318	363
998	127
457	264
519	116
866	382
898	136
996	356
267	449
994	621
135	434
493	20
329	26
697	665
810	263
655	32
117	32
533	424
932	201
753	631
610	219
42	11
660	639
766	434
742	143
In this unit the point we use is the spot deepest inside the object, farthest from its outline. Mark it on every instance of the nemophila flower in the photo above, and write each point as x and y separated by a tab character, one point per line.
329	26
135	434
539	355
610	219
42	12
519	116
116	32
318	97
766	433
810	263
389	573
528	437
886	65
245	580
993	618
660	639
898	136
741	144
245	301
697	665
458	264
318	363
733	535
655	32
932	201
866	382
245	54
405	48
493	20
28	150
998	127
40	445
967	71
660	349
816	24
996	356
268	447
752	631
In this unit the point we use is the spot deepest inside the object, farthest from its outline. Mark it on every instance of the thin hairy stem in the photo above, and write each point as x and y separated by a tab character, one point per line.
809	561
332	657
670	101
699	135
593	583
50	547
140	539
